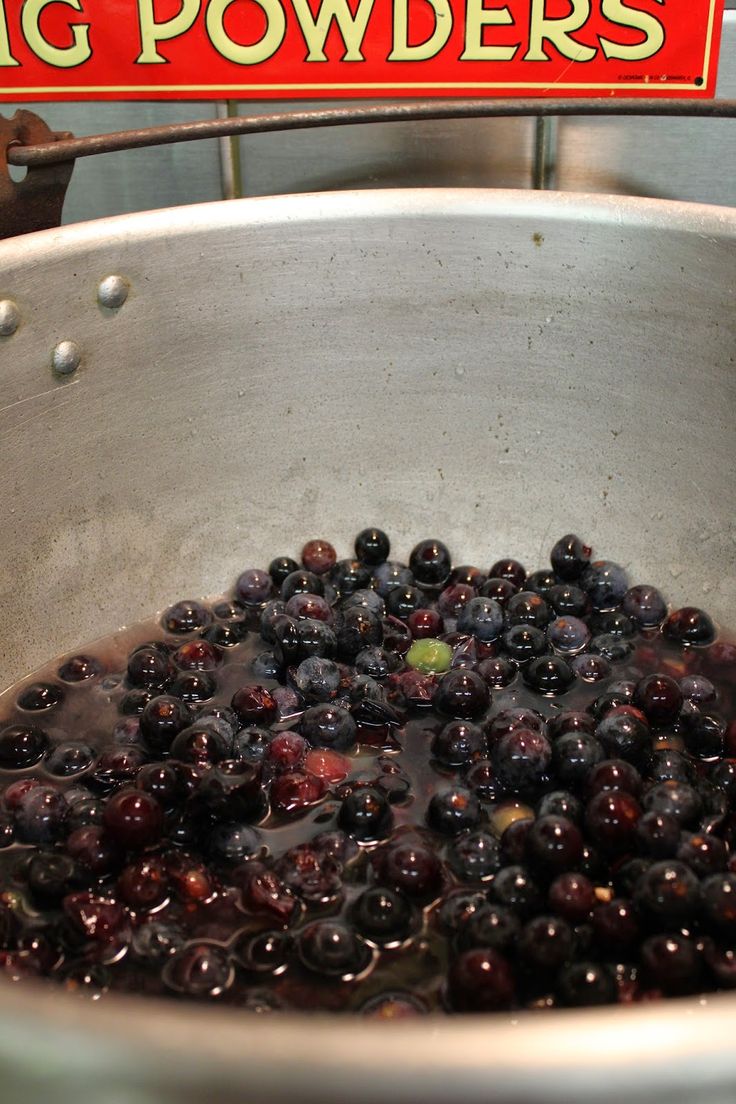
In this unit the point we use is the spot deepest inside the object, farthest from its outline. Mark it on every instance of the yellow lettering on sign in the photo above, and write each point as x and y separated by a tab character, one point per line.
60	57
352	27
402	51
621	13
476	18
152	32
559	32
259	51
6	58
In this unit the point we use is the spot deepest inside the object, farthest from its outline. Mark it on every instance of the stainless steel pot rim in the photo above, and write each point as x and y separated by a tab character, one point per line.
671	215
609	1050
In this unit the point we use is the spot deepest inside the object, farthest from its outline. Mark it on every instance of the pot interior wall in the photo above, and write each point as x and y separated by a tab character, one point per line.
495	370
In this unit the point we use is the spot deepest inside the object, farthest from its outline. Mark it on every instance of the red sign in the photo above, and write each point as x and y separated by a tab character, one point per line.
319	49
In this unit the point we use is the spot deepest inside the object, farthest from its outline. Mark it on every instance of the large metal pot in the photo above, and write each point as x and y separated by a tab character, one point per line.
495	369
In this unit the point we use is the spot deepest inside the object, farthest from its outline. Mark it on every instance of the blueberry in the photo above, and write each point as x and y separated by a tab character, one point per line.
317	679
481	618
719	902
612	623
403	600
515	889
254	705
611	647
202	744
133	819
524	643
526	608
68	759
226	636
658	835
79	668
162	720
264	953
301	582
659	697
376	662
616	926
703	735
497	672
560	803
328	726
233	842
690	626
266	666
366	599
586	984
671	963
386	576
149	666
280	569
185	617
366	815
430	563
40	815
541	582
698	689
134	702
624	736
411	866
193	686
590	668
677	799
572	896
383	916
703	852
549	675
453	811
614	774
347	576
568	600
480	980
459	908
605	583
521	759
458	744
474	856
508	569
331	948
568	635
231	791
645	606
40	696
500	590
461	694
51	875
611	818
554	845
668	891
545	943
22	746
668	765
358	629
569	557
315	638
491	926
199	970
372	546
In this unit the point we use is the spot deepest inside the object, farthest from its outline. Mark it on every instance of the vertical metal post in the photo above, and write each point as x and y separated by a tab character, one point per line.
544	171
230	165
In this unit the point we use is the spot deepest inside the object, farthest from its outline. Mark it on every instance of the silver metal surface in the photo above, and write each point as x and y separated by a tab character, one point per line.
495	368
113	292
9	317
66	358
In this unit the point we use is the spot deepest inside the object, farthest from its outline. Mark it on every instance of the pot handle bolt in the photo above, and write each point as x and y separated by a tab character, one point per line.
112	292
9	317
66	358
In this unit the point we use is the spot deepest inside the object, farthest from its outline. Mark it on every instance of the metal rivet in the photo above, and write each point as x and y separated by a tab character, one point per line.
66	358
9	317
113	291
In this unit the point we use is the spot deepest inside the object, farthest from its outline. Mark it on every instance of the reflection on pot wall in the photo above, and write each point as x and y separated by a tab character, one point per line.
668	158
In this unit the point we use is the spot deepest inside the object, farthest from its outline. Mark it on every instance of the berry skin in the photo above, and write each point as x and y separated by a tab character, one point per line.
199	970
295	791
554	845
453	811
254	705
480	980
462	694
162	720
411	867
331	948
677	799
668	891
366	815
545	943
616	926
586	984
318	556
660	698
149	666
524	643
568	635
328	726
719	903
645	606
611	818
569	557
690	626
382	916
605	583
481	617
185	617
22	746
624	736
459	744
508	569
372	546
514	888
133	819
572	896
671	963
549	675
430	563
521	758
40	696
474	856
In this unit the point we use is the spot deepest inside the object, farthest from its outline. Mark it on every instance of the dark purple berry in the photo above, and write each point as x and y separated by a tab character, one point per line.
382	916
690	626
40	696
366	815
331	948
185	617
480	980
569	557
372	546
520	759
453	811
549	675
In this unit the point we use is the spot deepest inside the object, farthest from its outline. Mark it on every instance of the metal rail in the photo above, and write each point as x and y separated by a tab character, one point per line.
68	149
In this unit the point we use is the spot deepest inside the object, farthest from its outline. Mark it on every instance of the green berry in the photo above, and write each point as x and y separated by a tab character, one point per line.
429	656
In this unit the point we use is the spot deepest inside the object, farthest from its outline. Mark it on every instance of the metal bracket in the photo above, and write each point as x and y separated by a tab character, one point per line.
36	202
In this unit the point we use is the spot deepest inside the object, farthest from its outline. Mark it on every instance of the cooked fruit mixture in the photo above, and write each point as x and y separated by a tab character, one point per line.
384	788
